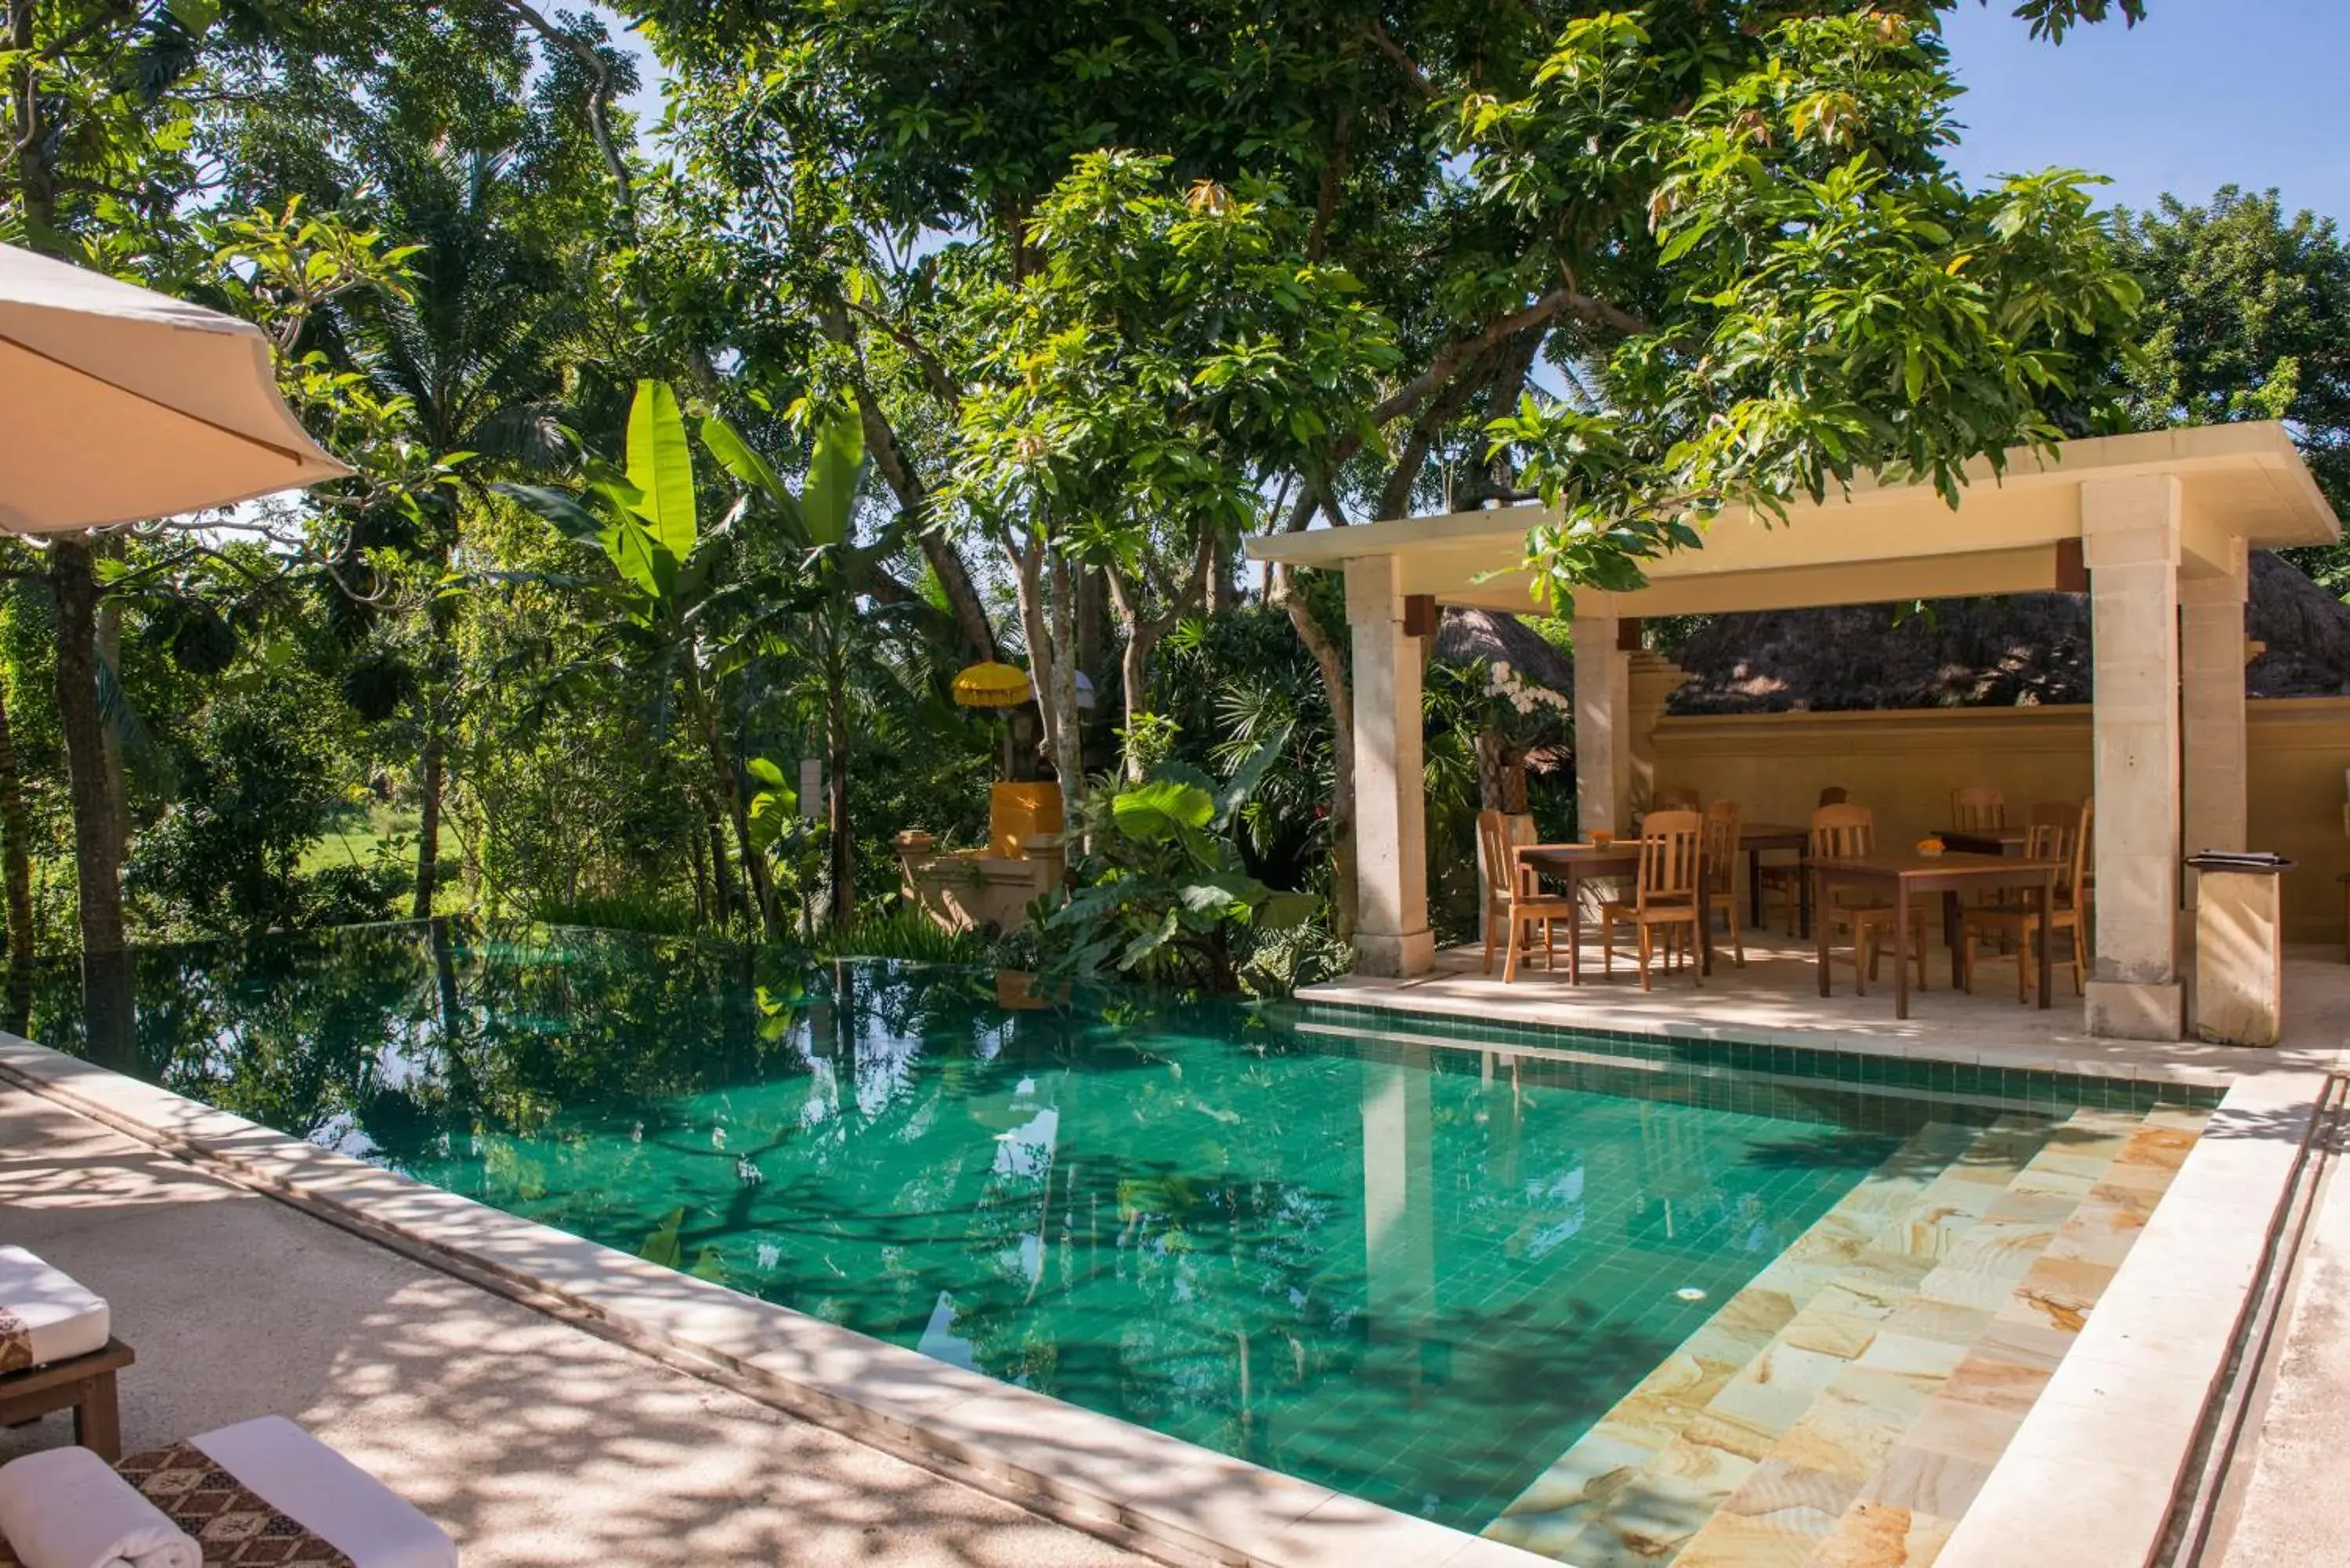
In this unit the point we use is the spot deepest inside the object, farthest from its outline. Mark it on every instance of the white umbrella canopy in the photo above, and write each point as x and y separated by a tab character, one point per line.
119	404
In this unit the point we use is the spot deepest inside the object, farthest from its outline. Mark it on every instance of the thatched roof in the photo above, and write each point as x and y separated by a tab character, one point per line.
1985	652
1493	636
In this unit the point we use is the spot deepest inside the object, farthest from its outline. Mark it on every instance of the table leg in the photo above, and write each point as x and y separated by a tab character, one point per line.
1804	893
1754	889
2047	934
98	1420
1573	927
1900	950
1704	919
1820	935
1954	927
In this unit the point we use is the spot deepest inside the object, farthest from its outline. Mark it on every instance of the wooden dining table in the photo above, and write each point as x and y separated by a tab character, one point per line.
1897	879
1574	864
1984	840
1759	839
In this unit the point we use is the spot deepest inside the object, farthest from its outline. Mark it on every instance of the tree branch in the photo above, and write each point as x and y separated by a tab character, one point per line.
599	101
1409	67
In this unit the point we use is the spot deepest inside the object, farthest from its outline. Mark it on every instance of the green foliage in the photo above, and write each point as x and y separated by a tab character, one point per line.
1163	895
254	780
2250	311
1826	301
906	934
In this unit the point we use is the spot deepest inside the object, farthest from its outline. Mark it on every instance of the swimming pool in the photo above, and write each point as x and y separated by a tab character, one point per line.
1418	1263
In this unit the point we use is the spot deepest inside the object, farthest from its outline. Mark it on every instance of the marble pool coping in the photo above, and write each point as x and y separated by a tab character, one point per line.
2098	1459
1145	1490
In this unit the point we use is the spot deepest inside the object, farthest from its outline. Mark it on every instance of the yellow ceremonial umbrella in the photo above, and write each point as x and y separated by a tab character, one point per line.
991	685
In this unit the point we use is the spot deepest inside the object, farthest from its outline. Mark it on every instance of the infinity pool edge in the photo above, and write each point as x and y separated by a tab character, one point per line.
1093	1471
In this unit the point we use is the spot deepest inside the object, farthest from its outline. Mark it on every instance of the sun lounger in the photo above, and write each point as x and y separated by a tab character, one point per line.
57	1351
266	1492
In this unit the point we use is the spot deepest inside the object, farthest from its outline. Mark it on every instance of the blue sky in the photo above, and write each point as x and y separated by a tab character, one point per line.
2203	93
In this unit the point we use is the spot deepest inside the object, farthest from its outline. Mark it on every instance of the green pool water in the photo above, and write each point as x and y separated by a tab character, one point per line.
1330	1243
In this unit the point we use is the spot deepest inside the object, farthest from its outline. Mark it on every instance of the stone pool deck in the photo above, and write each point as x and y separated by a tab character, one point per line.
2036	1459
533	1443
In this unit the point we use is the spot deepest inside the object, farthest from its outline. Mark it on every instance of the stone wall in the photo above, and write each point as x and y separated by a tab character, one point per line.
1904	765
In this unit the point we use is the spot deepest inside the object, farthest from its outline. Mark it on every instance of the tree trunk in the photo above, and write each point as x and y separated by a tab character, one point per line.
1345	897
728	894
701	901
1028	588
428	826
835	790
730	793
98	849
441	667
15	850
1068	746
109	643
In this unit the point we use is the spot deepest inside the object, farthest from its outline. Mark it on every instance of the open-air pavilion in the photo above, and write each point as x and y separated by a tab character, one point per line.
2156	528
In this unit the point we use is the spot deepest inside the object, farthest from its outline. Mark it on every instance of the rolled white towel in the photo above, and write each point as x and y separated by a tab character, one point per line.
63	1508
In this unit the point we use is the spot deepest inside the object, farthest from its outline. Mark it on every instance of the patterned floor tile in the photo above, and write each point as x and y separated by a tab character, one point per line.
1845	1409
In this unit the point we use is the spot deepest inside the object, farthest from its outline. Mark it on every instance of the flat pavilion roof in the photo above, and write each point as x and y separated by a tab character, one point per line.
1881	542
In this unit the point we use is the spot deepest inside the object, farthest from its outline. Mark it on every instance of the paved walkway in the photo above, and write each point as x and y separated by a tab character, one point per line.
2292	1510
532	1442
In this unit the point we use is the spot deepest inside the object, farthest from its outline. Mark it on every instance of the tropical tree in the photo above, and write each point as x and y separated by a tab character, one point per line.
1168	351
828	625
2249	317
668	601
1728	224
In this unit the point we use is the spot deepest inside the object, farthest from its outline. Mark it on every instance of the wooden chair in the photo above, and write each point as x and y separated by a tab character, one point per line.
1978	809
1665	895
2045	841
1785	882
1725	825
1515	900
1842	832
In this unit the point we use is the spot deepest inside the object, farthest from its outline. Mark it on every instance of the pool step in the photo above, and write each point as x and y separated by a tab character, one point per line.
1858	1391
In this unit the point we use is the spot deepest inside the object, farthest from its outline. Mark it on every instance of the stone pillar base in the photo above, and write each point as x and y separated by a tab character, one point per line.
1395	958
2138	1009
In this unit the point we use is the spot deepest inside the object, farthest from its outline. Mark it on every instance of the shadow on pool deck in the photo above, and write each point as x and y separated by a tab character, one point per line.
531	1441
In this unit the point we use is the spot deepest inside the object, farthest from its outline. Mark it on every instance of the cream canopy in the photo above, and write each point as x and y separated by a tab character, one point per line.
119	404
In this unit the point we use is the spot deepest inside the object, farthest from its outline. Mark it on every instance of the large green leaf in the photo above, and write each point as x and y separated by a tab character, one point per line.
616	532
829	498
1161	809
737	457
660	464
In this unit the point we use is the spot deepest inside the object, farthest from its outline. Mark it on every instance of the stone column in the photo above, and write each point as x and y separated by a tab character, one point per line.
1391	936
1651	680
1399	1205
2211	706
2129	536
1602	740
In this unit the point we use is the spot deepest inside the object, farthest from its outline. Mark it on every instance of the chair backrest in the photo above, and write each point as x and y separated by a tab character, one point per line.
1673	797
1978	809
1725	825
2048	841
2084	856
1499	837
1842	832
1670	842
1493	848
1834	795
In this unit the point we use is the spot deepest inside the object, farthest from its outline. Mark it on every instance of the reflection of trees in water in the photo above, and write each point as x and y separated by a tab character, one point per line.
1176	1233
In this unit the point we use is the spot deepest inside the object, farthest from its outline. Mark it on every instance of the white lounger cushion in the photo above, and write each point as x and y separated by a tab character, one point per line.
328	1495
66	1319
